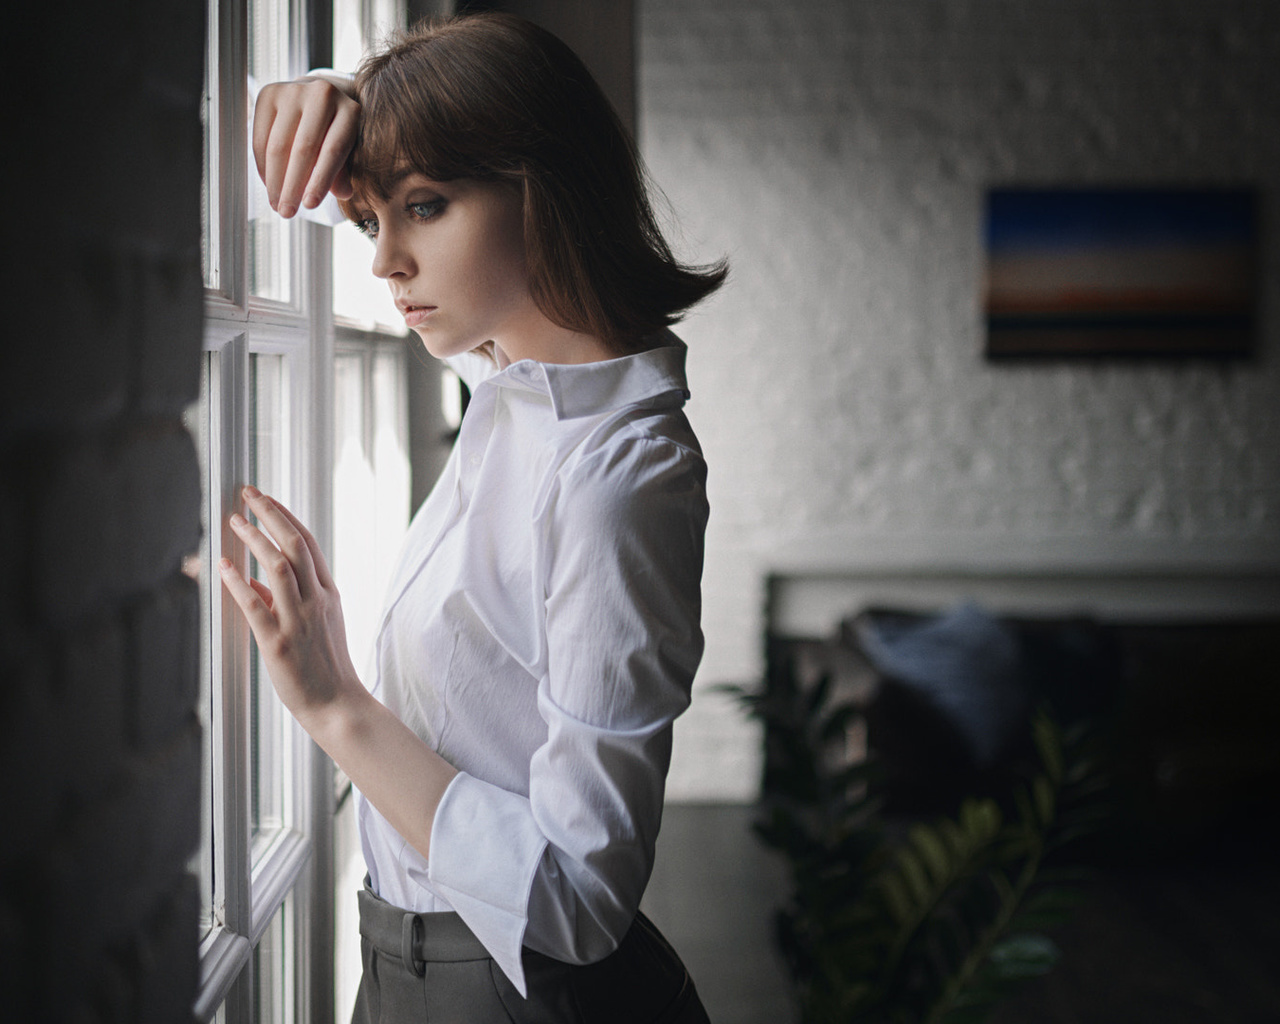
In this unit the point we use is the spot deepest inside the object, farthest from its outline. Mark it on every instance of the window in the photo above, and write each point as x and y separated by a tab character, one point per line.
280	400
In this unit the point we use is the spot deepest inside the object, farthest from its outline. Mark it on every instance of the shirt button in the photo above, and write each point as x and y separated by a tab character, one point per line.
474	460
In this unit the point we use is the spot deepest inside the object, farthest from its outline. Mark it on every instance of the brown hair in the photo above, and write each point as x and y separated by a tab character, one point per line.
494	98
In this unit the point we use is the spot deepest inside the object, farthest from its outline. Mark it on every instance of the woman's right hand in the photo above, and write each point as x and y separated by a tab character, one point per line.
303	133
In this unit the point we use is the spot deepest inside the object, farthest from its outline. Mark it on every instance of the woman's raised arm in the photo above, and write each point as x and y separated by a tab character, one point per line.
303	133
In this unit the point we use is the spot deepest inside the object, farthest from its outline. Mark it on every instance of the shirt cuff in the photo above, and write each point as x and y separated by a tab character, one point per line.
473	819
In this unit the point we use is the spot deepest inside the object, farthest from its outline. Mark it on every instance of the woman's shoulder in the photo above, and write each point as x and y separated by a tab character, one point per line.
634	463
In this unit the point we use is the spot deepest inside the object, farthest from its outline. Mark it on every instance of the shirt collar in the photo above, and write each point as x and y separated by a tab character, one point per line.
586	389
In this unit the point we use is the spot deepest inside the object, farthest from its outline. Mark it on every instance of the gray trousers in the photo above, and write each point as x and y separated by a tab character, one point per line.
431	969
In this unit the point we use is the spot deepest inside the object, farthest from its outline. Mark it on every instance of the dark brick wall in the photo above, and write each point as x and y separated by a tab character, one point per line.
99	500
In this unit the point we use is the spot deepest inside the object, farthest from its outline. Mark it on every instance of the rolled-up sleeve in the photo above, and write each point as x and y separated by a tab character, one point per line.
621	538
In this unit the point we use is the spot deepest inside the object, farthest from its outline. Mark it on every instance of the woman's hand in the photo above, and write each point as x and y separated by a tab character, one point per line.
303	132
296	615
297	620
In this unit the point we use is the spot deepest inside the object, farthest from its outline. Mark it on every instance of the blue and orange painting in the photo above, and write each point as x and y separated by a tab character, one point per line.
1122	272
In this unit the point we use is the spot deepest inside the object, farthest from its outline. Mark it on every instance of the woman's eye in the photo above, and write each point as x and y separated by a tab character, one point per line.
368	227
425	211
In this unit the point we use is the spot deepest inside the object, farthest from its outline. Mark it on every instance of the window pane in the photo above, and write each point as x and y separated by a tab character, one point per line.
348	35
390	458
358	296
274	978
348	877
353	507
270	237
370	483
270	737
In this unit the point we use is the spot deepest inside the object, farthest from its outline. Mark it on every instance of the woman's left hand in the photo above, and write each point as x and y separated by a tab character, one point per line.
296	616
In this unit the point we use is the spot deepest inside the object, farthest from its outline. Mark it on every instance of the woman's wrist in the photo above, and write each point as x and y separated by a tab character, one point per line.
395	770
335	723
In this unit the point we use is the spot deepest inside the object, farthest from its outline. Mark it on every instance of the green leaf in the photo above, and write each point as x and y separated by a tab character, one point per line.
980	820
1000	883
895	894
1023	956
932	852
1043	791
912	869
955	838
1049	743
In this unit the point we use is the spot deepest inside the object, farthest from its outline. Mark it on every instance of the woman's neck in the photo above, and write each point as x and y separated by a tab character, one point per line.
550	343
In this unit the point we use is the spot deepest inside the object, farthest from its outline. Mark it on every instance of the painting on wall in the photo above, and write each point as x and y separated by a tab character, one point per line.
1120	272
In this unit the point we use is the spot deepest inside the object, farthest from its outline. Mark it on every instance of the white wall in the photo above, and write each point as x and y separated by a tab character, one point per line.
838	153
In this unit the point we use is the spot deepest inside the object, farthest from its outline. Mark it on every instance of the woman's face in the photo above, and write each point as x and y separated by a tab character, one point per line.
453	255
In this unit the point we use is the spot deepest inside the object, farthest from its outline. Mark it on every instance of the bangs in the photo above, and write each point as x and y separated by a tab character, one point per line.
414	115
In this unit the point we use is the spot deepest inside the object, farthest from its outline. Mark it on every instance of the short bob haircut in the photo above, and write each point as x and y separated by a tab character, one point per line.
494	98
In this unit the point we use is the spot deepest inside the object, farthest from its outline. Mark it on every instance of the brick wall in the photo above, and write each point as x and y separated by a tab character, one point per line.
838	153
99	500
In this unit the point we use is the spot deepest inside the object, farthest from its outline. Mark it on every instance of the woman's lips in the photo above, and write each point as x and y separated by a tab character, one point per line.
415	315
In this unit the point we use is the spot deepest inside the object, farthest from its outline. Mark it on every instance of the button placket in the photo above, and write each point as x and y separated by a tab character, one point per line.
474	441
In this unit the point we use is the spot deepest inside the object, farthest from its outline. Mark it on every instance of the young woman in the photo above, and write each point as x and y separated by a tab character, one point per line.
542	628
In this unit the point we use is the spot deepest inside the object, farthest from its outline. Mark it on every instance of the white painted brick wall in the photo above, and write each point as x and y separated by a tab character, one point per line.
838	153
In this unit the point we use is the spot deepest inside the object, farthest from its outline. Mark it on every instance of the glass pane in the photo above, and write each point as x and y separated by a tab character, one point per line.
359	25
371	481
270	237
390	459
358	296
199	567
385	15
274	976
353	506
348	35
349	870
270	734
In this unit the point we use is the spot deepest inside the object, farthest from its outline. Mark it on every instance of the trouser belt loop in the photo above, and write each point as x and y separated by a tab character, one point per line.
411	931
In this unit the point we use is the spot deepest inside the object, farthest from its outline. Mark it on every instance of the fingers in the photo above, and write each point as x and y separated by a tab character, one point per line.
253	598
280	571
263	591
303	133
330	172
317	556
288	562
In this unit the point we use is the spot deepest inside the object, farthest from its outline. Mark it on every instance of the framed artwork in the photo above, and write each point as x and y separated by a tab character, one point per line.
1120	272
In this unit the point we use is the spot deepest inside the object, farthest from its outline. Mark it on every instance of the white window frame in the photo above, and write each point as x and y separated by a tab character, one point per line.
253	876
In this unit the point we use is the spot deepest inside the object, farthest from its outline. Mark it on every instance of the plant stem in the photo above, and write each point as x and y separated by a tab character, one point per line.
960	979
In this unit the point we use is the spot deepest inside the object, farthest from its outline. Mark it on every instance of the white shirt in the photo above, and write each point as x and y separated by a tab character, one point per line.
541	633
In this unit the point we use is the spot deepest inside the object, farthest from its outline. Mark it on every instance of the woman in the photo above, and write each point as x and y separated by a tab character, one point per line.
542	628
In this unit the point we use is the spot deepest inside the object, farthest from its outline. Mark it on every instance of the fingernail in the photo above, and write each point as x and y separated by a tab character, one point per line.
224	565
237	519
311	200
287	209
252	492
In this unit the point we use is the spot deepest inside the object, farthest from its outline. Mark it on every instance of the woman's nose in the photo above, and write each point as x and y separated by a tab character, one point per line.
390	256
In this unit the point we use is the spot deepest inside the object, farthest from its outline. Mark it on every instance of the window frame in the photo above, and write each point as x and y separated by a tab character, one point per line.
252	877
